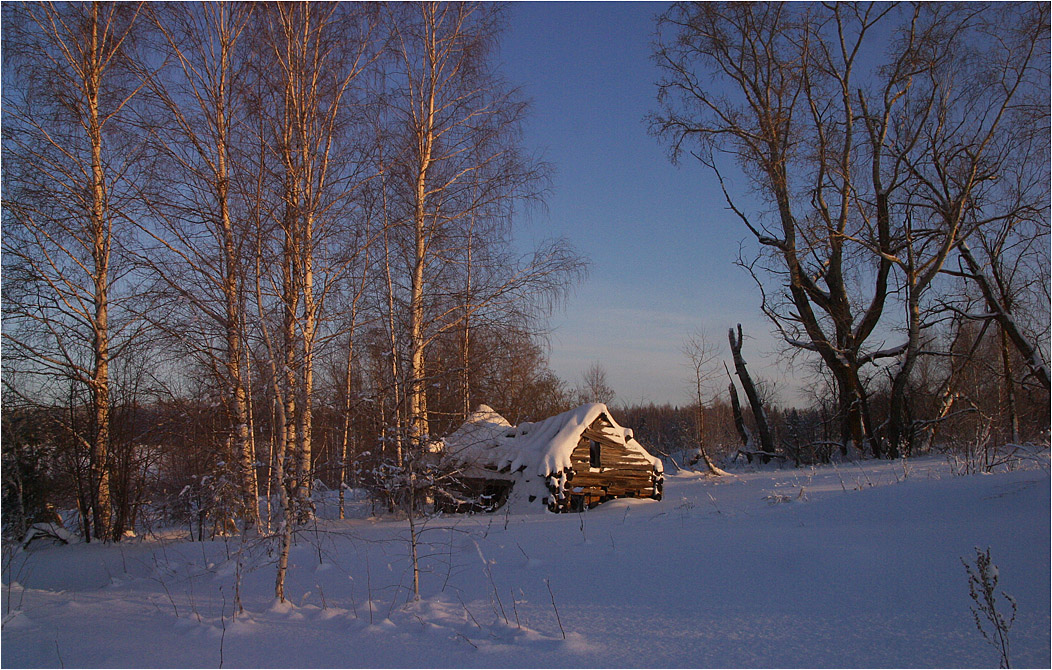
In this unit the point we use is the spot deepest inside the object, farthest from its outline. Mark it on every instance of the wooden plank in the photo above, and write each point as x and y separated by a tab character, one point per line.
602	438
612	472
610	460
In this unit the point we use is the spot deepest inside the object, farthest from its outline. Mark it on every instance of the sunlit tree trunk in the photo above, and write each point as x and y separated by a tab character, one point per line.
425	137
100	232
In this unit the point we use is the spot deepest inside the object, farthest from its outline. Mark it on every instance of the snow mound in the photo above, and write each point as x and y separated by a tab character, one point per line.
483	428
46	534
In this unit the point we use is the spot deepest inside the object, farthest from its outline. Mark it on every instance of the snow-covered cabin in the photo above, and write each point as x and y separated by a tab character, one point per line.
567	462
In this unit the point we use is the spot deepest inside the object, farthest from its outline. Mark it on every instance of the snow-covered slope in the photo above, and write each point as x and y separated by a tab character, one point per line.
854	566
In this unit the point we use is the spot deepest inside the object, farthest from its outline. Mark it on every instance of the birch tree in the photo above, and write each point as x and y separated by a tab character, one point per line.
197	232
456	162
69	173
317	52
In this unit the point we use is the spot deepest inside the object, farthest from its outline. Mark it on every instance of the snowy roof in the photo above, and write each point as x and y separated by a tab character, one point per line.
542	447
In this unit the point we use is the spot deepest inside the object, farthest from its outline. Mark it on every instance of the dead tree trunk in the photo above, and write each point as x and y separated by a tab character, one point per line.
766	442
739	420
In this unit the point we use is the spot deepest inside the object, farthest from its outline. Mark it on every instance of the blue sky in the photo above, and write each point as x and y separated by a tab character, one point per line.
661	241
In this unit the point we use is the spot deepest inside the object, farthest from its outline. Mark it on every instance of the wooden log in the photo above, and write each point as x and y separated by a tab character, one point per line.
619	485
582	468
608	459
611	476
584	478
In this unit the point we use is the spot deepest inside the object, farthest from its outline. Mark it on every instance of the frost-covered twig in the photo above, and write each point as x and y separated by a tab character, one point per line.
515	608
464	637
982	585
167	593
837	470
864	473
713	502
472	616
558	619
222	621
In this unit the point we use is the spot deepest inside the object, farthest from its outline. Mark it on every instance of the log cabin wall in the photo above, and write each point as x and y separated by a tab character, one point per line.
621	472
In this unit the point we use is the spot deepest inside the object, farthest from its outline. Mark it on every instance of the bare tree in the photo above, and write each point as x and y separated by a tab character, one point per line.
869	166
68	175
702	357
456	176
316	56
996	293
509	372
353	314
240	185
197	132
739	418
968	148
594	386
784	108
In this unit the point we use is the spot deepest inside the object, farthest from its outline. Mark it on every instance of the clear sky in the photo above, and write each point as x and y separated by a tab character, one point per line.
661	241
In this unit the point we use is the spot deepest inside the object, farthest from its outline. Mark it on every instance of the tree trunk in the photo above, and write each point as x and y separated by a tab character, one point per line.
900	433
100	232
1011	415
465	347
345	437
393	341
417	385
739	420
766	441
425	129
243	452
287	517
291	364
304	470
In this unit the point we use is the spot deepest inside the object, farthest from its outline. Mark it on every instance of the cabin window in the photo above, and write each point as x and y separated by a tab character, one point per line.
594	455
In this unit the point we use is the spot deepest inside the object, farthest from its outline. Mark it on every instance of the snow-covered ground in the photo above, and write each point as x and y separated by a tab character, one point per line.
853	566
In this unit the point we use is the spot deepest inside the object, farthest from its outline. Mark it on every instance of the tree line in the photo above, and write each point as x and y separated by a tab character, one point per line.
246	244
978	431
